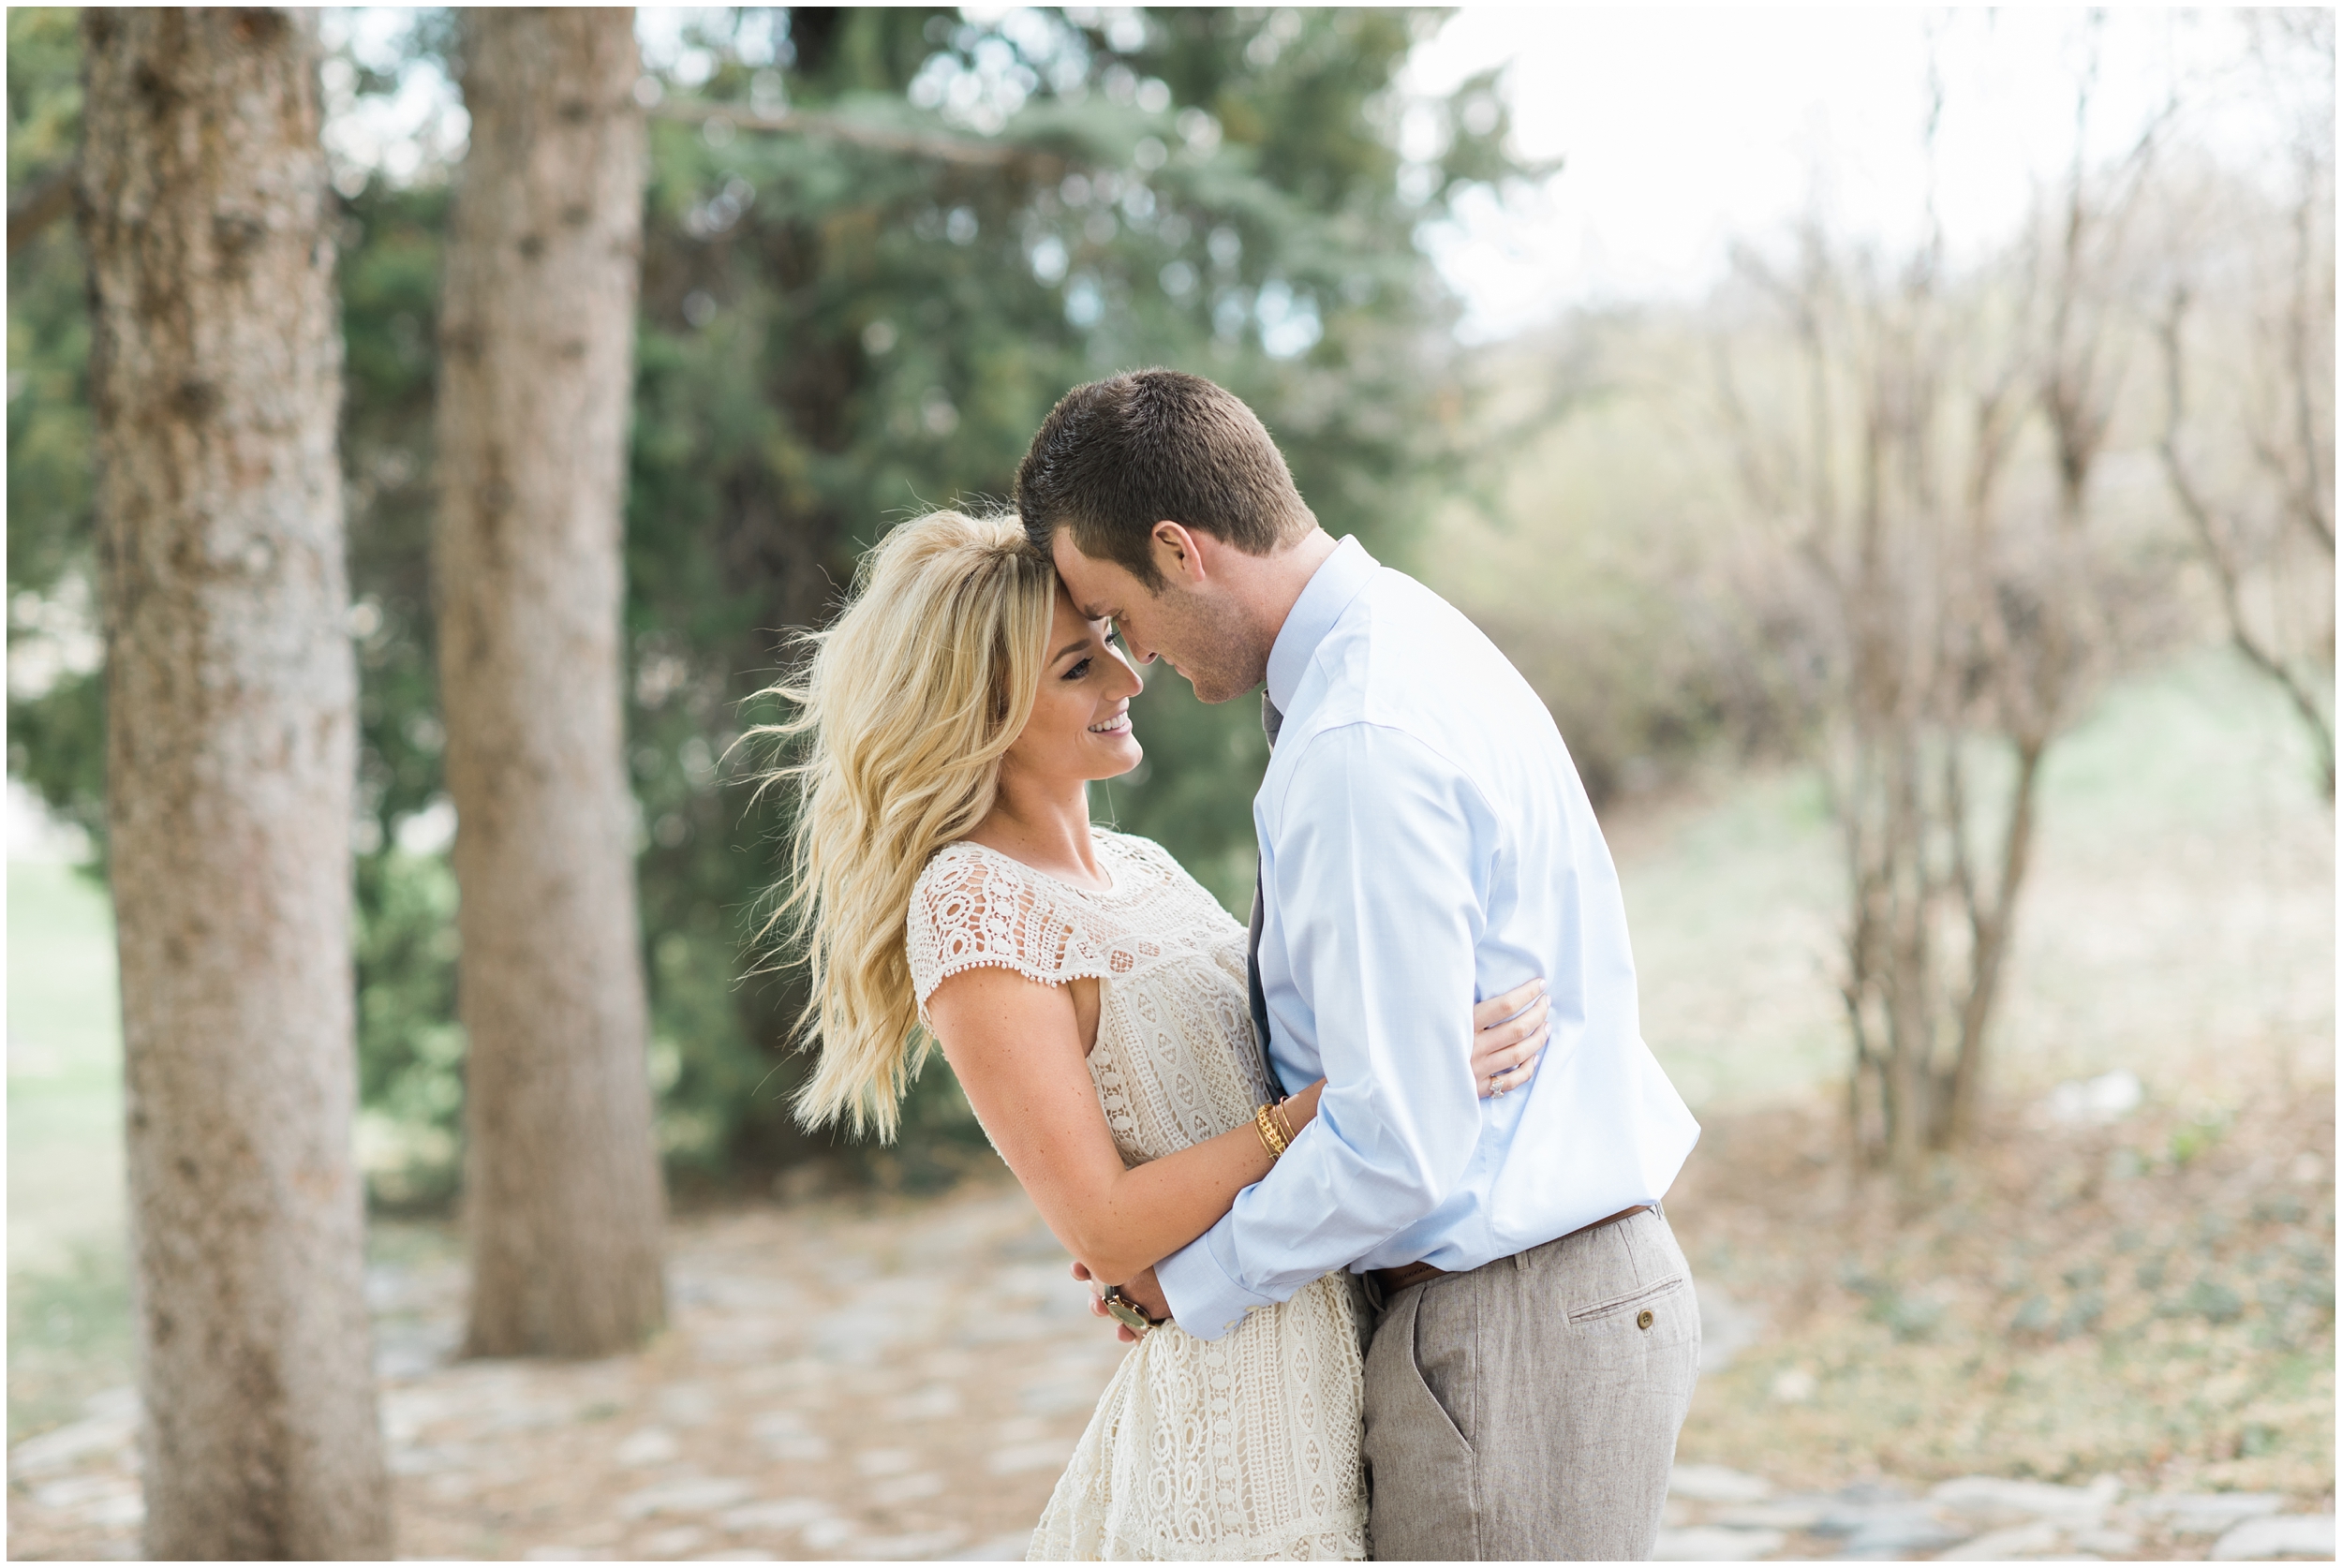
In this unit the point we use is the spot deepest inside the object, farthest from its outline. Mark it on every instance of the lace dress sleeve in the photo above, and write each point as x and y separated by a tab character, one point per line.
972	909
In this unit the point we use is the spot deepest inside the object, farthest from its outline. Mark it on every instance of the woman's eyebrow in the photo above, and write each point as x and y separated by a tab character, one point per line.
1070	647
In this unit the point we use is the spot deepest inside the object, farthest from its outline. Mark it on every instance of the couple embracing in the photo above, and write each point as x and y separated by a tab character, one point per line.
1374	1186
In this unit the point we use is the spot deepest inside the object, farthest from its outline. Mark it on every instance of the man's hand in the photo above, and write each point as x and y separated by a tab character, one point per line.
1141	1289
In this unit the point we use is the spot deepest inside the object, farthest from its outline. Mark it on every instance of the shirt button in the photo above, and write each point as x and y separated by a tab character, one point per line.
1643	1319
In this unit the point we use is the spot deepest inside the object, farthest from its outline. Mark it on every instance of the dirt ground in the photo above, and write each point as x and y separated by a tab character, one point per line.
2151	1299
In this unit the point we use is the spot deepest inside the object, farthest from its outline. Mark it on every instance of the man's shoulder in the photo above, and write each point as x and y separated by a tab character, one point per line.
1406	682
1407	659
1400	616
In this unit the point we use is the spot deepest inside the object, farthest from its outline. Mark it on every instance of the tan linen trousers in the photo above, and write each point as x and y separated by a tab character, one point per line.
1527	1410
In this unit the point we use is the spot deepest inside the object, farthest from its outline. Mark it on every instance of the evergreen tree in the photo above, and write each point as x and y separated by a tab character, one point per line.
857	314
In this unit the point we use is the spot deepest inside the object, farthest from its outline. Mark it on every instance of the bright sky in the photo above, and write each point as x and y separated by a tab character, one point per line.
1682	129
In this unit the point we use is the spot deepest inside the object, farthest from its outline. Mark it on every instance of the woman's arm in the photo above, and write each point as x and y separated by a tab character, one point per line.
1019	1049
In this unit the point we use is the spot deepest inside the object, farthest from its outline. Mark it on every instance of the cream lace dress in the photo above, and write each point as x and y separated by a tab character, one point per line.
1243	1448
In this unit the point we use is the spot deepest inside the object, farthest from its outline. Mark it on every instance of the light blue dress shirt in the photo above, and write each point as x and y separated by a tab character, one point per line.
1425	843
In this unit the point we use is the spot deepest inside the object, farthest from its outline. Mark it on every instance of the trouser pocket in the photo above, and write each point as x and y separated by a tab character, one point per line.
1420	1470
1635	1302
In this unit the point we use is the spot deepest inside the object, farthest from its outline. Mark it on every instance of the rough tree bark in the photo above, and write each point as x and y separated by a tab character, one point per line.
215	378
562	1193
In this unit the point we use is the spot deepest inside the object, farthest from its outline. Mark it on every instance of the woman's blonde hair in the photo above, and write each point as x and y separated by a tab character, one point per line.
902	713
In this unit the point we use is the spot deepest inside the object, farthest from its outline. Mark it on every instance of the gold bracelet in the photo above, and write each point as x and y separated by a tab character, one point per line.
1270	1139
1284	1122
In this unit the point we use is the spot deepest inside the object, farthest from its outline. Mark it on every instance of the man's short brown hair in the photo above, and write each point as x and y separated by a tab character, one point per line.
1118	456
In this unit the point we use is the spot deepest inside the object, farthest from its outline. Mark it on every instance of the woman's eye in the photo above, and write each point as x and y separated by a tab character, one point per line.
1080	669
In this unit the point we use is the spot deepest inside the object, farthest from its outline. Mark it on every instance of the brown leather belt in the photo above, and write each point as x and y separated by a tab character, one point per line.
1390	1281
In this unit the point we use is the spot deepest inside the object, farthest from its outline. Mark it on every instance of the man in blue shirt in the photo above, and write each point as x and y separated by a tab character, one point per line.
1425	842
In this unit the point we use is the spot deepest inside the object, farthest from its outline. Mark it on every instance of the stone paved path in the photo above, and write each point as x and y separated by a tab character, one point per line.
1717	1514
836	1384
847	1381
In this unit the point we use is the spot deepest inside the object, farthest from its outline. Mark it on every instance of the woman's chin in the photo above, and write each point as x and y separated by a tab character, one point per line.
1125	756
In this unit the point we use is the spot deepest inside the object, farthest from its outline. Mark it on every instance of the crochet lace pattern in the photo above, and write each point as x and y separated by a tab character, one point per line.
1243	1448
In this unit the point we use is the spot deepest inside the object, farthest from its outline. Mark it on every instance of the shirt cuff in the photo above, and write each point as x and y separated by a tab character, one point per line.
1200	1286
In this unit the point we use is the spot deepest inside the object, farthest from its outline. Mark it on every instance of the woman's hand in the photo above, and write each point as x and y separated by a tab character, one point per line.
1141	1289
1505	1047
1509	1036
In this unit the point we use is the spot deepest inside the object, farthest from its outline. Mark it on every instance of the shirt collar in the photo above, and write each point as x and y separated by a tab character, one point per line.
1338	579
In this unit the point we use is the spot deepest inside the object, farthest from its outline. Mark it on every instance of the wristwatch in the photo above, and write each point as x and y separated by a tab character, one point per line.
1129	1313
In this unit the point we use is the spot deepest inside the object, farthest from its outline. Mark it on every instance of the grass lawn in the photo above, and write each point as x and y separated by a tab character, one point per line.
68	1298
2179	919
65	1065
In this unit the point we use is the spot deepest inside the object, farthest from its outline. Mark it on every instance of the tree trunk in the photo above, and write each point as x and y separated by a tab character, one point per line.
215	378
562	1193
1990	928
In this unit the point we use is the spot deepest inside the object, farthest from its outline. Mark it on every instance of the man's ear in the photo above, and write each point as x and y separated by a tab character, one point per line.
1180	554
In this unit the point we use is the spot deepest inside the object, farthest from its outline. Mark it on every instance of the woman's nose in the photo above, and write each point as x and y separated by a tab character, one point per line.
1133	683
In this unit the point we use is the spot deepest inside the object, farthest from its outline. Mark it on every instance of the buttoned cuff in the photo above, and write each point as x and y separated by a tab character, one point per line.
1199	1285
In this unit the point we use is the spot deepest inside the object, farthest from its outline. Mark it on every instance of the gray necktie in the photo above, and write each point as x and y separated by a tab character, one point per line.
1270	723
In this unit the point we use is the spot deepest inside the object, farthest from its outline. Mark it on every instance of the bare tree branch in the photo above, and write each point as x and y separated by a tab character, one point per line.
2314	498
2217	534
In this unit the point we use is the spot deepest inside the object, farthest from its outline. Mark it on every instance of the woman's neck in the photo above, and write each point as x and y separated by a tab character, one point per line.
1044	823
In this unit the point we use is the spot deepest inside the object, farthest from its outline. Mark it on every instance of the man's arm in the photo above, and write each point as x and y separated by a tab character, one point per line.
1016	1049
1379	874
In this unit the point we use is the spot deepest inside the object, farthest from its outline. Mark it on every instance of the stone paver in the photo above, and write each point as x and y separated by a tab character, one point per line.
2309	1536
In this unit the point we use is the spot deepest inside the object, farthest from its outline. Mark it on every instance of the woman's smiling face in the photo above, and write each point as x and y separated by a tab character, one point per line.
1080	726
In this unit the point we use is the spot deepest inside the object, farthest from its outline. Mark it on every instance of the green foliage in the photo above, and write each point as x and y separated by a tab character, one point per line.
412	1049
69	1338
57	744
833	337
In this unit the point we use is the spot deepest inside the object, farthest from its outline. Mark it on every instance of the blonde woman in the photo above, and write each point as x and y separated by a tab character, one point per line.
1091	998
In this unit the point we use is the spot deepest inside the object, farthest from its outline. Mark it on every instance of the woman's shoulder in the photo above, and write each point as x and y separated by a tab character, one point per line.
971	908
959	863
965	883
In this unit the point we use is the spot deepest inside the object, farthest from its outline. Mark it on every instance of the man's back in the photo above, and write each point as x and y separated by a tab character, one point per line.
1405	714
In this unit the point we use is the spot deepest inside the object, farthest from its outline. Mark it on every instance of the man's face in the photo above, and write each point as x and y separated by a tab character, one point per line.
1199	632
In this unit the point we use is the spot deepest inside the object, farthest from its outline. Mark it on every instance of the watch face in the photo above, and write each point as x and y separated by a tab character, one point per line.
1127	1315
